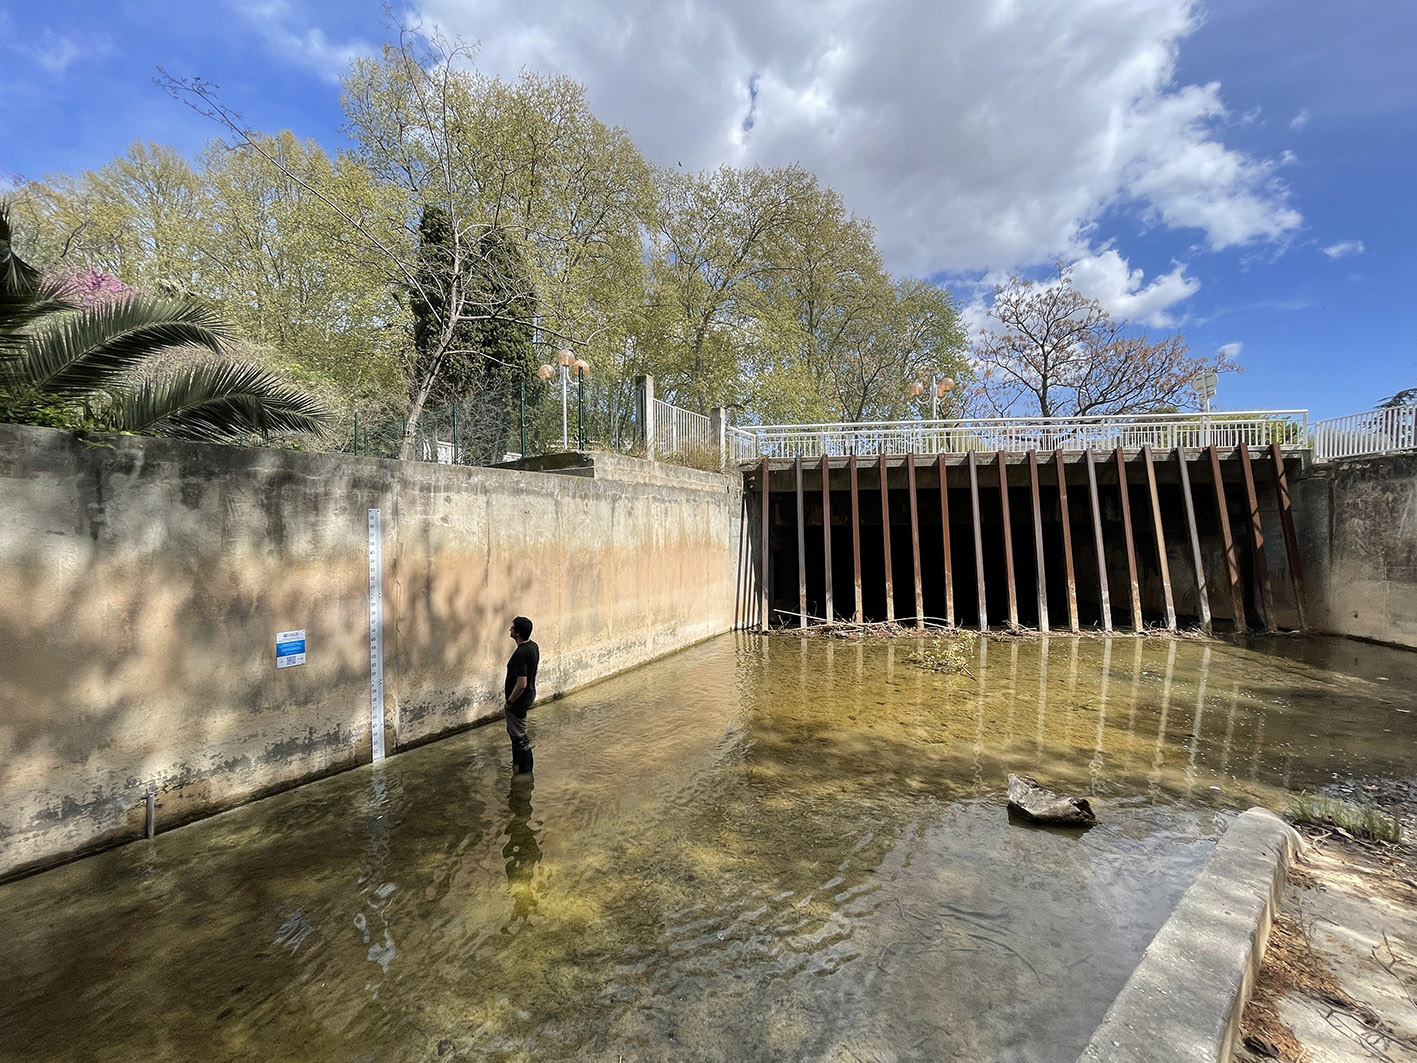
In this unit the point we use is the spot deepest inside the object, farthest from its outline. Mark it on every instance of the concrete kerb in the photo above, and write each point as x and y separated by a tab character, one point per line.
1184	1000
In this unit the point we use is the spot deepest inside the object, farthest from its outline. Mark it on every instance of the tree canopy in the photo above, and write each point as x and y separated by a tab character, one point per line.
69	365
1061	354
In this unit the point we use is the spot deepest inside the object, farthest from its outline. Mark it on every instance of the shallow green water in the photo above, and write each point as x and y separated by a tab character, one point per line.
755	849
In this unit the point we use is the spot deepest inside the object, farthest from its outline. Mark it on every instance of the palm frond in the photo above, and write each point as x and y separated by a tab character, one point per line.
216	403
16	275
20	311
77	354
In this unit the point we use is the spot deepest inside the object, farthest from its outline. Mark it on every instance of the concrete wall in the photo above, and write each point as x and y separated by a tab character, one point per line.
1358	534
143	583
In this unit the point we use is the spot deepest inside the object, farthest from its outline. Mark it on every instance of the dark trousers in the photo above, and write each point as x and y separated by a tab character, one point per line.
521	744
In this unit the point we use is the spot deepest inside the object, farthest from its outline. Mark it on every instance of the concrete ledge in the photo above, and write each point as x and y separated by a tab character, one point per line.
1183	1002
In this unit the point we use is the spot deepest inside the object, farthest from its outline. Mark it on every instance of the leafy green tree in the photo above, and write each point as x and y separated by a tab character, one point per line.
67	366
710	280
276	265
915	334
138	218
525	160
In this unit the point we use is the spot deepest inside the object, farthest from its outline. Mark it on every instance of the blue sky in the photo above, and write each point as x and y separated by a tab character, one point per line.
1239	171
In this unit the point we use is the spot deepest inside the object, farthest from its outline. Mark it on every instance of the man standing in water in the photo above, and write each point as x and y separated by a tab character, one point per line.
520	690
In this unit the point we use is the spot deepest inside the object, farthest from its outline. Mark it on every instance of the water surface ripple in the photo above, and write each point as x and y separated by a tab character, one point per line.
754	849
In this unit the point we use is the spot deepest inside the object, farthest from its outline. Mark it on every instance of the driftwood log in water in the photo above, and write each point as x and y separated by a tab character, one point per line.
1029	799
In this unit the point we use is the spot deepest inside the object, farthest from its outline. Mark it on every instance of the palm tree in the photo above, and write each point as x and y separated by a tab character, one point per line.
67	366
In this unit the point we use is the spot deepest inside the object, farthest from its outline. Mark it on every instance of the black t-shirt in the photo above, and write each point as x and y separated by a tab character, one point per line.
524	661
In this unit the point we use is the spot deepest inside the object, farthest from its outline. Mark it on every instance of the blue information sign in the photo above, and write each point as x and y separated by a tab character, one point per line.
290	648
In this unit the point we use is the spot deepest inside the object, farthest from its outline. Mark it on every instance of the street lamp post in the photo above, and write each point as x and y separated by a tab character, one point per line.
940	386
567	364
1205	388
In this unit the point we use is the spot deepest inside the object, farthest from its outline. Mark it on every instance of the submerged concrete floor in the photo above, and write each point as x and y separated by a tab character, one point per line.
1339	980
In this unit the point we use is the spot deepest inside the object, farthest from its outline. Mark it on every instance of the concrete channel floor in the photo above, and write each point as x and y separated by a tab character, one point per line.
1339	977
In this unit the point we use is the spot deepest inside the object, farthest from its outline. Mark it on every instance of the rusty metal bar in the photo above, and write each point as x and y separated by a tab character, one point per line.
1137	623
1257	539
886	540
1291	539
1003	460
978	540
915	540
855	534
766	617
1097	542
1072	582
1041	579
1160	538
827	534
744	585
1202	595
1232	560
945	530
801	547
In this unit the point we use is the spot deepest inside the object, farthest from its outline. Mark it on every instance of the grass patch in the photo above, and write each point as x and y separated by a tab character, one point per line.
947	653
1360	819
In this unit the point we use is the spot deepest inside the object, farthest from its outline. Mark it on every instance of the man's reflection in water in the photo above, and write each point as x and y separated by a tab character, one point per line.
522	850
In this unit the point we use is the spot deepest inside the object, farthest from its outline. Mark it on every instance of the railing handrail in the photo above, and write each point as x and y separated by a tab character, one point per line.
1017	435
1085	421
1384	430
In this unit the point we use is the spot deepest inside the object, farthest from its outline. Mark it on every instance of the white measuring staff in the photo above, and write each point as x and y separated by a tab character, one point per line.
376	635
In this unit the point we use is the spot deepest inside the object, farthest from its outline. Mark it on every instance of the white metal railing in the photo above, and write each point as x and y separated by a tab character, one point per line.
680	431
1289	428
741	444
1383	431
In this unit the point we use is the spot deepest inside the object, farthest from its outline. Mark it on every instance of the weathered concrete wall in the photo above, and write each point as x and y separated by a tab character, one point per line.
1357	524
144	581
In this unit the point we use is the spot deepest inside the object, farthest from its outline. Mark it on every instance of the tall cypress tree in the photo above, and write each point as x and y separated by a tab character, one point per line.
490	354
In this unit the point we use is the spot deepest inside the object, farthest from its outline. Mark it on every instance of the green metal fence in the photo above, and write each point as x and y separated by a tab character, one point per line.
524	420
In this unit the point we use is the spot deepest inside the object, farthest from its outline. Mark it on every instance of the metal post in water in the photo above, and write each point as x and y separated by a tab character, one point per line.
1003	461
1041	578
945	543
1197	559
915	540
1137	622
827	533
1063	517
1227	542
855	532
978	541
1291	540
767	593
1098	545
1157	529
150	822
1252	502
801	545
886	537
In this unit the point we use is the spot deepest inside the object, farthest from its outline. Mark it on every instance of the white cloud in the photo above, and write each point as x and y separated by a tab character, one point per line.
308	46
977	134
1344	248
1231	351
56	52
1299	121
1108	278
